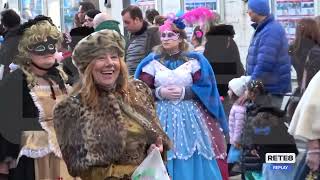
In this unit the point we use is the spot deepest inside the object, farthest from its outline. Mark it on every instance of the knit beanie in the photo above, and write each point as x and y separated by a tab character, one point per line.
260	7
238	85
95	45
109	24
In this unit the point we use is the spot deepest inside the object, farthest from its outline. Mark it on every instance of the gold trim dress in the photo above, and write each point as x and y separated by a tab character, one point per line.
42	146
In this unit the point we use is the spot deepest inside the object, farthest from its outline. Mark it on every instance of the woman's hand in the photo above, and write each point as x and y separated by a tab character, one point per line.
171	92
313	154
158	145
313	161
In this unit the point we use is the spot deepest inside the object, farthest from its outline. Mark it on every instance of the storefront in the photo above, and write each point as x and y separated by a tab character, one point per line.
288	13
61	11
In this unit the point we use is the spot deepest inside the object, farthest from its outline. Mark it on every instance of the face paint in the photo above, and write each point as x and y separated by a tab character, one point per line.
45	47
169	35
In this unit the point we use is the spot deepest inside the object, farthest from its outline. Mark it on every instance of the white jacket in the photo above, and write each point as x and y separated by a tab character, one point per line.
305	123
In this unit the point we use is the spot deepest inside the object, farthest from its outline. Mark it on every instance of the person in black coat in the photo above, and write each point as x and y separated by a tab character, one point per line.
11	23
307	37
22	109
264	131
68	67
223	55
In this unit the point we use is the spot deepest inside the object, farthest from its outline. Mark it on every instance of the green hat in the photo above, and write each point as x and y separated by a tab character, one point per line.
109	24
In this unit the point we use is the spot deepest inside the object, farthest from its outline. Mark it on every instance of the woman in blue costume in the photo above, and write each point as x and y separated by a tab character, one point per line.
186	95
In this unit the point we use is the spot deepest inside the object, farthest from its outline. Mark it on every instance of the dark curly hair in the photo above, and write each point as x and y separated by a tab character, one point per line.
256	86
151	14
10	19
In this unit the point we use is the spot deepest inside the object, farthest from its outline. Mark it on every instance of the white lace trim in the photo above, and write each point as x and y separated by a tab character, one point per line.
56	151
46	87
33	153
190	154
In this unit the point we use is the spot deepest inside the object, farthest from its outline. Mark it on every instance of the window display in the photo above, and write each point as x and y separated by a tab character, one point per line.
70	8
31	8
192	4
288	13
145	4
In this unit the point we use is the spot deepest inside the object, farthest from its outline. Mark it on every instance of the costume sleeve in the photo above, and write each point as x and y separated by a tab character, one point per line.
195	66
148	79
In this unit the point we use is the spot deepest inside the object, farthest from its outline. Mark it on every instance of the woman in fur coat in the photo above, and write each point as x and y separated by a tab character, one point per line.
108	125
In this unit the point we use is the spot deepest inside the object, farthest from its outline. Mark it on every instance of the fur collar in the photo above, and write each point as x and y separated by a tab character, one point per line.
221	30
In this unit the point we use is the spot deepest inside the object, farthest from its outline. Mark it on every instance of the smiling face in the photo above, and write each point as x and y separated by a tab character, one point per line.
106	69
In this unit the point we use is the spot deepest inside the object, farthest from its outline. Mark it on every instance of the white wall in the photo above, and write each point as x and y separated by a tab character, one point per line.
236	15
1	5
54	11
13	4
114	11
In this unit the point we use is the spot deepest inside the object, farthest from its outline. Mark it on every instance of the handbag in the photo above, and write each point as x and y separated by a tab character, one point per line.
152	168
234	155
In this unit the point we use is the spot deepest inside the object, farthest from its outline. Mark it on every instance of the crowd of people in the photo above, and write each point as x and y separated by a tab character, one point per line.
93	103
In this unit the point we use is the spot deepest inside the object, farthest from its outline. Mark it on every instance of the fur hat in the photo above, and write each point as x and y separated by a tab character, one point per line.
260	7
238	85
95	45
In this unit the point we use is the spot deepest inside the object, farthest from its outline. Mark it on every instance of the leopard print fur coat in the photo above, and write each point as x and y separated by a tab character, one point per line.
90	138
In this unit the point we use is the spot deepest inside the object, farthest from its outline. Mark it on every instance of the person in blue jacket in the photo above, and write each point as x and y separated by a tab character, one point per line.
188	106
268	58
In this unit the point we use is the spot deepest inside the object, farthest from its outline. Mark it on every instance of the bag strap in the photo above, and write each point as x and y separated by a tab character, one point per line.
304	76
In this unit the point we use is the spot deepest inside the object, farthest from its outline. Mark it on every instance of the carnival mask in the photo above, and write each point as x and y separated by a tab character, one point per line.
45	47
169	35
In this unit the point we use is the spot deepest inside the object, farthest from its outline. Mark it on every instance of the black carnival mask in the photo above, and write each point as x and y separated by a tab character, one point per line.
45	47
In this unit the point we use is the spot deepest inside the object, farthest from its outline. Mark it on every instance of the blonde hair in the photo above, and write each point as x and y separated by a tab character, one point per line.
90	48
38	32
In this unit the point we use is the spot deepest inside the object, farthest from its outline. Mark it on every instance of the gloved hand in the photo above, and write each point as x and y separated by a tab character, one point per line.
171	92
313	161
313	154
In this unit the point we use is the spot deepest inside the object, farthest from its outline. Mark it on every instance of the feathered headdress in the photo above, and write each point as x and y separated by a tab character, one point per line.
195	16
172	19
198	15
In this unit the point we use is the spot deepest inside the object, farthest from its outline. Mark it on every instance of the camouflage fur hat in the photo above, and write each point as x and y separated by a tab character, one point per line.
95	45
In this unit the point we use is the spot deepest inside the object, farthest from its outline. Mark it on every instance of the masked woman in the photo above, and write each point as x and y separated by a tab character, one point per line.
28	96
187	98
108	125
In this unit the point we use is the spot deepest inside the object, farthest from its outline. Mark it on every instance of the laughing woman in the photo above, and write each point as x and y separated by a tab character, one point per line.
28	96
108	125
187	99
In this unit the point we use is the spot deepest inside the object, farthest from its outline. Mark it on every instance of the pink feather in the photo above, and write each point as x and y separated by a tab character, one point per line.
166	26
198	15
